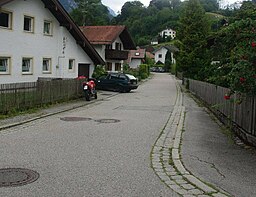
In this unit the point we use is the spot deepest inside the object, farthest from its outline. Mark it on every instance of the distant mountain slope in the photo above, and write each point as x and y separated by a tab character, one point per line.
69	4
111	12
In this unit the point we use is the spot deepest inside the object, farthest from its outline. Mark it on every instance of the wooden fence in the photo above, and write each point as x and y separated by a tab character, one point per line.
241	117
20	96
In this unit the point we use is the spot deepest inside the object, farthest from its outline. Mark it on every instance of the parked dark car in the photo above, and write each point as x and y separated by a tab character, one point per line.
117	82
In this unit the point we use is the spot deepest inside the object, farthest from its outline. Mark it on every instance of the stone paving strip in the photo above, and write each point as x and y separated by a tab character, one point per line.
167	162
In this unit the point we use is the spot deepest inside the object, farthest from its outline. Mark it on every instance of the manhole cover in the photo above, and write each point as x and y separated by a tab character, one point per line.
11	177
75	119
107	120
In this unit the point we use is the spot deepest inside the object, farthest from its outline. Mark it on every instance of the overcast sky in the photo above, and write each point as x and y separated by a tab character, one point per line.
116	5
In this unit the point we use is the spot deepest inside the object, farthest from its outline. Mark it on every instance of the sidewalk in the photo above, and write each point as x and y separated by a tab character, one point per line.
213	156
54	109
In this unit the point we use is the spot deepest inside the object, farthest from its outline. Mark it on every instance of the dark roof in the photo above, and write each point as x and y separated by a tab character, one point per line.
170	48
107	35
65	20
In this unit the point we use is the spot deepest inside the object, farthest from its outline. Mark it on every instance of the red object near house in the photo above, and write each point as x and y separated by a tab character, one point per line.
91	84
81	77
226	97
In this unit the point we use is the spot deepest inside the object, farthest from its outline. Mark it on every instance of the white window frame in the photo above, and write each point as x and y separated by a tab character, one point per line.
8	65
9	19
49	32
31	24
72	68
48	66
29	65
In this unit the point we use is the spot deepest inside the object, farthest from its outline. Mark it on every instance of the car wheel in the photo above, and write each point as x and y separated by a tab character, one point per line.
120	89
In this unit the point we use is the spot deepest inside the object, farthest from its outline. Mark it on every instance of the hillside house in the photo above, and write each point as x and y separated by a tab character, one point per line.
41	40
168	32
112	43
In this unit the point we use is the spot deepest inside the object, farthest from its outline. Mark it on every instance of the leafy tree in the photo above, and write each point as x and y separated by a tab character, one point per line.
192	32
210	5
90	12
160	4
236	46
247	10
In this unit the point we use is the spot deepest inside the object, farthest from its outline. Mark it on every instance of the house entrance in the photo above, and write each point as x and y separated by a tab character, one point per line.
84	69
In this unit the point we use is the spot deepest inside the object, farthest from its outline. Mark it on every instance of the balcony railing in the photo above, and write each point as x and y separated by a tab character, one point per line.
116	54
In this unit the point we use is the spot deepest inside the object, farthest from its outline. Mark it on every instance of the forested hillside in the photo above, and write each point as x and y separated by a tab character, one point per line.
144	23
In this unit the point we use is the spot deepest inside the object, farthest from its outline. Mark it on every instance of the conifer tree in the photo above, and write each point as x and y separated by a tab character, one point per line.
192	32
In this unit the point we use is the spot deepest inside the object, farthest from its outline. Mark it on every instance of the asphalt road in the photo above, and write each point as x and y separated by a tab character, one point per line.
105	154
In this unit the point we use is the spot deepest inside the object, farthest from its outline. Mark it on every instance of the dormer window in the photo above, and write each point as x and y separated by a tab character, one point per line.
137	54
5	19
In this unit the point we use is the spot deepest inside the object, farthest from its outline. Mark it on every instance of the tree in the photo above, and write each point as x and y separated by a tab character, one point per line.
90	12
160	4
192	32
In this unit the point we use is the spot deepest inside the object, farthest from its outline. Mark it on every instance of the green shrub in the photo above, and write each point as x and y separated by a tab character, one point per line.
98	71
144	71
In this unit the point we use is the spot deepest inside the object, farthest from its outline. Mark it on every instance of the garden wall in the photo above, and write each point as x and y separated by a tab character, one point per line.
22	96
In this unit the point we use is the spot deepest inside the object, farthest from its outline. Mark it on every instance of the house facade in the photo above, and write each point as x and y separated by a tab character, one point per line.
112	43
136	58
160	54
41	40
168	32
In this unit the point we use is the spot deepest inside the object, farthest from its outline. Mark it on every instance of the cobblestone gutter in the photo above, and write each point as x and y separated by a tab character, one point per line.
167	162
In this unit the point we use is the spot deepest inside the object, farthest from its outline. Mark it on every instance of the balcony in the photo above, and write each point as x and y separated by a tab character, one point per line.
116	54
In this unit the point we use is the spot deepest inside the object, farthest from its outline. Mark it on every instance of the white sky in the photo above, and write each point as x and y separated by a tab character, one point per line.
116	5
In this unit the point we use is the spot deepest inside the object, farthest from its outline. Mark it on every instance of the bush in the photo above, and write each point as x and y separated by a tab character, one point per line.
144	71
98	71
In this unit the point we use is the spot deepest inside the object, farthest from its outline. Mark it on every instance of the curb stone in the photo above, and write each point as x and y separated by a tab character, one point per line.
173	173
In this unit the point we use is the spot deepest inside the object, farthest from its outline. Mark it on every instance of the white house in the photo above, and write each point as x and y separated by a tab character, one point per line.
136	58
168	32
112	43
39	39
160	54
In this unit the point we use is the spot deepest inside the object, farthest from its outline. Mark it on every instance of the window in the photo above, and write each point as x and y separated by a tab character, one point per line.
6	19
117	66
109	46
28	24
109	66
27	65
4	65
71	65
47	64
137	54
47	28
118	46
159	55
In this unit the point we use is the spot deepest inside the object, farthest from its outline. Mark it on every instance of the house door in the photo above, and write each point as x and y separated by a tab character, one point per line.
84	69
